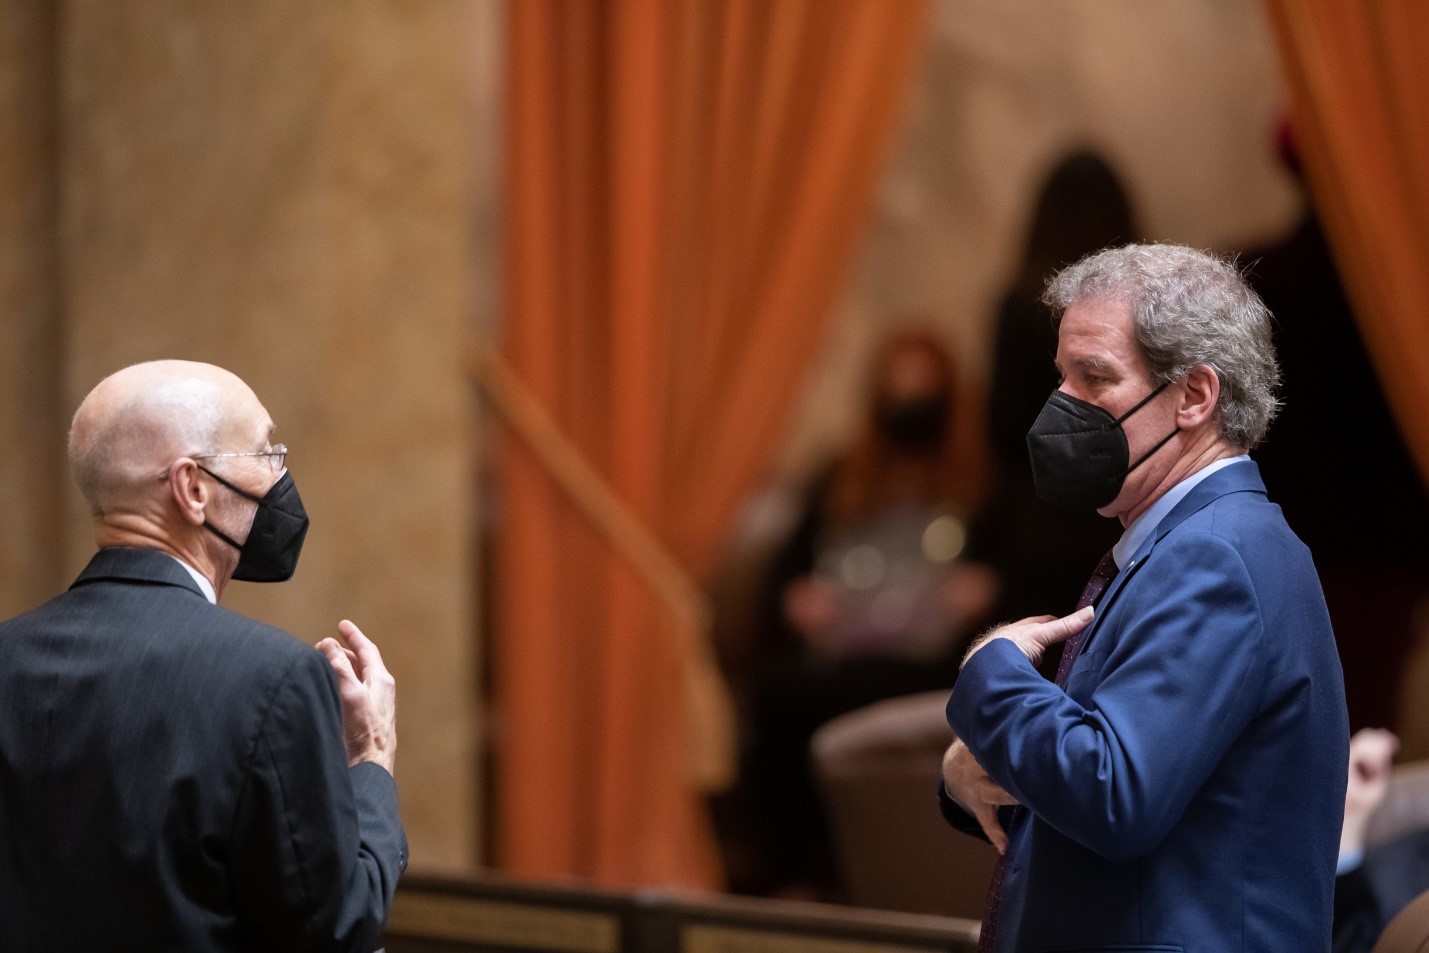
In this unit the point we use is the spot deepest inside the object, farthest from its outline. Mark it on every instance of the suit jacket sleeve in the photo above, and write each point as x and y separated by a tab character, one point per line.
1357	921
1179	684
317	847
955	814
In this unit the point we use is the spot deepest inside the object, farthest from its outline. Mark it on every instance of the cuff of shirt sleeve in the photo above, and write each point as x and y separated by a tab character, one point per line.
1349	860
375	788
957	816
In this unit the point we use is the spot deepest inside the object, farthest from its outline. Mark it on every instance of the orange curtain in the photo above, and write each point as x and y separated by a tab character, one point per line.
1359	79
686	180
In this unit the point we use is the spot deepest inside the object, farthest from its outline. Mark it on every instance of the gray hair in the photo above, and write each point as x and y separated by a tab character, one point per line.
1188	307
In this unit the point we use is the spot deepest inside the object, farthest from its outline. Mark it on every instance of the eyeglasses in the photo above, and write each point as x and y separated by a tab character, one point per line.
277	457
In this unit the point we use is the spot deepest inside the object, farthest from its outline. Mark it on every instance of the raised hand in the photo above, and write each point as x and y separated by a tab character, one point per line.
369	696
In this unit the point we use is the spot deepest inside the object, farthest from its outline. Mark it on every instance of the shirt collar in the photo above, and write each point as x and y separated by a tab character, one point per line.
1145	524
199	578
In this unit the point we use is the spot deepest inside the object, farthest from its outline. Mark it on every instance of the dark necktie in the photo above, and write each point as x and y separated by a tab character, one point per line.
1091	594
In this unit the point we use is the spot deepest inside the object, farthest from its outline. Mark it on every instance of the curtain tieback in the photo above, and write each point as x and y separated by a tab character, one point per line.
709	706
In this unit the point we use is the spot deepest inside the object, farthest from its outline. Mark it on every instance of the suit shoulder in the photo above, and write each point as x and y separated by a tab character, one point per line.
1217	533
276	670
260	634
263	645
1249	523
240	650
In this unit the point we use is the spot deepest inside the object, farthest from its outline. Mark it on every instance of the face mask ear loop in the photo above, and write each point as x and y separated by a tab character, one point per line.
222	535
1147	455
236	489
1143	402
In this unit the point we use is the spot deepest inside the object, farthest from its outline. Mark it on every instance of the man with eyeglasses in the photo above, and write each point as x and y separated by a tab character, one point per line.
174	776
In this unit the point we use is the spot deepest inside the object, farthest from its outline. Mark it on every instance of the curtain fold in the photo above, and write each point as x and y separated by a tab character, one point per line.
1359	81
686	182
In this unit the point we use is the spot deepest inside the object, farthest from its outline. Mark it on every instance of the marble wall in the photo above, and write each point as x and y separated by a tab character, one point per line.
284	189
32	418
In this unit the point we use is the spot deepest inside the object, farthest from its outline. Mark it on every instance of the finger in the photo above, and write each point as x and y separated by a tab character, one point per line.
337	657
351	655
986	816
1060	630
368	657
1374	751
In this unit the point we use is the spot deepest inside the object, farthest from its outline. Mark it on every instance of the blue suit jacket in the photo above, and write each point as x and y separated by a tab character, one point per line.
1185	791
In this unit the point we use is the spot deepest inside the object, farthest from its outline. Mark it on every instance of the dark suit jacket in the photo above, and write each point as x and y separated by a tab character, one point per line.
1369	896
1184	793
173	777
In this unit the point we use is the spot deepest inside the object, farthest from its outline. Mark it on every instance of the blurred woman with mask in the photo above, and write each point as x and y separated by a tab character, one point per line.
870	598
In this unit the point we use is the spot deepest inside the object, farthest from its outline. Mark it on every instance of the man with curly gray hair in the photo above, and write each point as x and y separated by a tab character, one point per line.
1180	785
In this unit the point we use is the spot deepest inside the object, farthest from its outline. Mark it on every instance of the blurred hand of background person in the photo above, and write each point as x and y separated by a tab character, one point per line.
1375	882
1371	757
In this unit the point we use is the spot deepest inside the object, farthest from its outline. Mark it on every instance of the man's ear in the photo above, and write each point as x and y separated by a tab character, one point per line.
1200	393
190	492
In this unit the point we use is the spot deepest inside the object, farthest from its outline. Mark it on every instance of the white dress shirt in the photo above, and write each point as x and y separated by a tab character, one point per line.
1145	524
199	578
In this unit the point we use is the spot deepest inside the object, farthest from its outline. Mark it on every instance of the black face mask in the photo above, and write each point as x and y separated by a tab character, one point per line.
915	425
1079	452
270	553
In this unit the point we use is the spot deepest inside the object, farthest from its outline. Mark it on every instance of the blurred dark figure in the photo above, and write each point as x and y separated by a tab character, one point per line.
1041	551
867	599
1371	554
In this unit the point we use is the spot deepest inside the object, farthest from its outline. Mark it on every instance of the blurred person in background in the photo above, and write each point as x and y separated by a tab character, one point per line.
1373	883
870	597
1041	550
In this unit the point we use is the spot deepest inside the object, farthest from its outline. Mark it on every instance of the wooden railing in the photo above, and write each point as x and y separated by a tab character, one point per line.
447	915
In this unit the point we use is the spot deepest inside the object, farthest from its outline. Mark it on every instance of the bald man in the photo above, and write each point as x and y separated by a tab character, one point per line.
174	776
